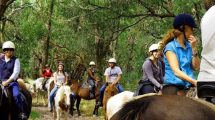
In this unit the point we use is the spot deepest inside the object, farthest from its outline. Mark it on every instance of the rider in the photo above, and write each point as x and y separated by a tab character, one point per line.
91	78
180	56
60	78
47	73
112	75
206	77
152	73
9	71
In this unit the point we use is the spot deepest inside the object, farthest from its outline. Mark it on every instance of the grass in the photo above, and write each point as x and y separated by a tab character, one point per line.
34	115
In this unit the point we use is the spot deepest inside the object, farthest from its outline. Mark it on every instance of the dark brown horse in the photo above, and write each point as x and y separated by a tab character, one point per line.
83	92
7	109
168	107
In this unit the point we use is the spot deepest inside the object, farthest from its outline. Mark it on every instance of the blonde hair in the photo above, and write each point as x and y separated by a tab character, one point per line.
173	33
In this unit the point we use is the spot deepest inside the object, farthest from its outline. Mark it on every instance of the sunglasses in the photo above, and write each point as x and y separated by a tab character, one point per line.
8	49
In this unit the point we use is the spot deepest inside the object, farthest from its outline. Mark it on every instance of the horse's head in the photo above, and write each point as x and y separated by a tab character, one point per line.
111	90
67	93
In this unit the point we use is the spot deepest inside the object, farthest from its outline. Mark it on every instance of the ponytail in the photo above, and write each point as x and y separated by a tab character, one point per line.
170	35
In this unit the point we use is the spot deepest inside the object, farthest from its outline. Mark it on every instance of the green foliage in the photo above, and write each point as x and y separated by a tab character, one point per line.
126	25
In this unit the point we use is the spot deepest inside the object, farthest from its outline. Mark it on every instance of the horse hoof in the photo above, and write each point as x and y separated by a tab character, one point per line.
94	116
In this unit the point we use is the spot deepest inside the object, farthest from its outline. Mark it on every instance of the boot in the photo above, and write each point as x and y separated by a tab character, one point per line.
44	84
92	92
99	103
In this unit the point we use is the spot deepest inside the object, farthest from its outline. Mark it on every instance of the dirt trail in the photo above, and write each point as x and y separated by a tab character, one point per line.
46	115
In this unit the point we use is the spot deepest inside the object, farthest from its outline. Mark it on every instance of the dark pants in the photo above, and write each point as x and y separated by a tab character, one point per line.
173	90
144	88
17	97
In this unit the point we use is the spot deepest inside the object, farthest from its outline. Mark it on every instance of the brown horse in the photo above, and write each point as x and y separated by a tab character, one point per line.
167	107
83	92
110	91
7	109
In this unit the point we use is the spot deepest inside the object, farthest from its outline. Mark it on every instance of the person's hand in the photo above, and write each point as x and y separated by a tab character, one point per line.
194	83
5	83
192	41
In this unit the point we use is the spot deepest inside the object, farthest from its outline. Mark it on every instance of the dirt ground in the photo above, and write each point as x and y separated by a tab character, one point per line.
46	115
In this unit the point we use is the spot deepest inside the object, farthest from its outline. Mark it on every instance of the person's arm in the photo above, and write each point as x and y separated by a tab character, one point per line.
195	59
173	62
55	78
147	67
16	71
106	74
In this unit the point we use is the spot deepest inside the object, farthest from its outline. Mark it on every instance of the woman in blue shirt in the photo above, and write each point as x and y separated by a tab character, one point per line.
180	56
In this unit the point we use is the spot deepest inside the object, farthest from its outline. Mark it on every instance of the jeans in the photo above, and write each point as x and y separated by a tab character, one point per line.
52	95
118	86
16	95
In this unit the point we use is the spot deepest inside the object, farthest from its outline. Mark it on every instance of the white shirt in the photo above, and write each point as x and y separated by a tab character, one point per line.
207	66
113	73
60	78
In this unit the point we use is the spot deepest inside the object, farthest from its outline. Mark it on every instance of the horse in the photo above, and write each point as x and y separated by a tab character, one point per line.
62	100
37	88
7	109
165	107
110	91
120	99
83	92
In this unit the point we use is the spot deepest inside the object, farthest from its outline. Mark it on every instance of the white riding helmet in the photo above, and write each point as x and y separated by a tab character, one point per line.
8	44
112	60
92	63
153	47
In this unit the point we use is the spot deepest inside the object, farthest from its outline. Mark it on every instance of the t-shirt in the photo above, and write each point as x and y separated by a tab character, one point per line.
207	66
113	73
60	78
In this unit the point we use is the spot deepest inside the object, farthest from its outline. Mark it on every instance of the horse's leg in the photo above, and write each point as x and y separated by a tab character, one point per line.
58	113
78	104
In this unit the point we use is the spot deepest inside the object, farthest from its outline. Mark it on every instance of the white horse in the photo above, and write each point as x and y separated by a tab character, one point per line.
38	88
115	103
62	100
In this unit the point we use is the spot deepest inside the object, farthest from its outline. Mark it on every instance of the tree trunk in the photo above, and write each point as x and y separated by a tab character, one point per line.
209	3
47	41
3	6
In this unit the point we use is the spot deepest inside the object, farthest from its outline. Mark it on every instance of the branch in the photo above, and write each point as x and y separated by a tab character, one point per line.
130	25
19	8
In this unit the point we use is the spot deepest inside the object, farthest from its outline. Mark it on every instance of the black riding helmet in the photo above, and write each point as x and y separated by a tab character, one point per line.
183	19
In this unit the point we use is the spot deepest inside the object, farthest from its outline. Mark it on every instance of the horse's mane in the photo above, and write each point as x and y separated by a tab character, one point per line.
60	93
133	109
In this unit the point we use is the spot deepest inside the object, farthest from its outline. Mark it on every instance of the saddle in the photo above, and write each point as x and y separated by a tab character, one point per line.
206	89
86	85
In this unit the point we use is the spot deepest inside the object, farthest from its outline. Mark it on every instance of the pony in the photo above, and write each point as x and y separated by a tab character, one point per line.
165	107
110	91
7	109
120	99
83	92
62	100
